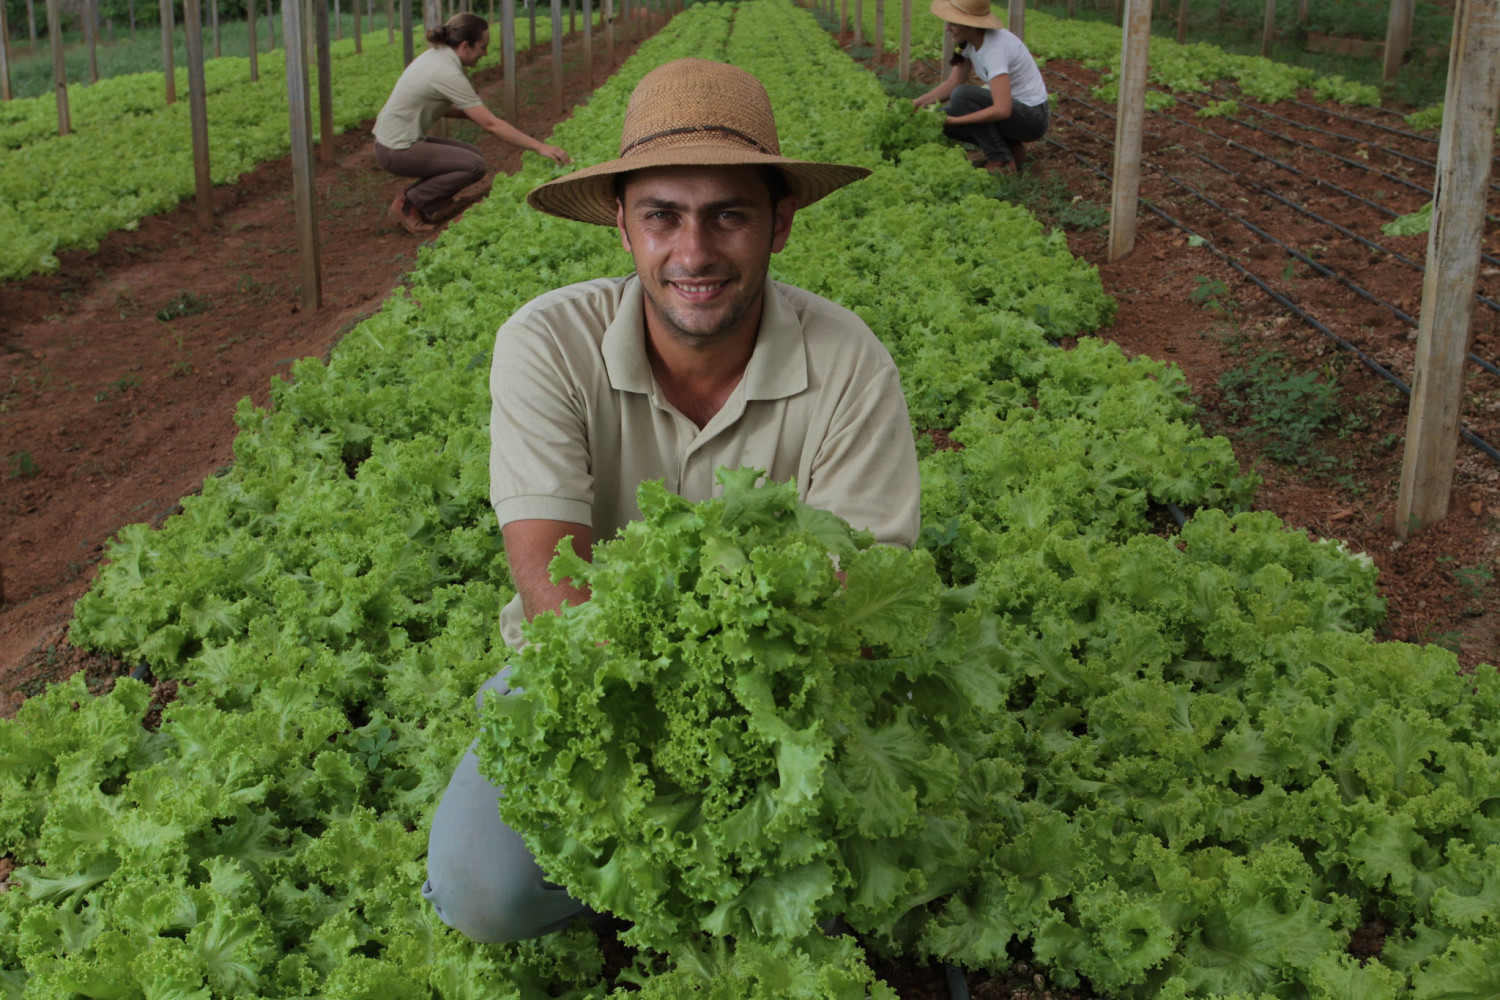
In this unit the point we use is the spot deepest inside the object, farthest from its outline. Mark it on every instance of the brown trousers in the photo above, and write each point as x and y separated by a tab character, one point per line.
442	167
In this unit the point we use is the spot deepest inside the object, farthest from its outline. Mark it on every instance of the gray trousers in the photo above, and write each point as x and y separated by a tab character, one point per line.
481	878
1027	123
443	167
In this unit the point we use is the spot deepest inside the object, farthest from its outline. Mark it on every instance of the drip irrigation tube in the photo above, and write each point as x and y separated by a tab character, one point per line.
1428	164
1326	271
1312	321
1363	121
1316	181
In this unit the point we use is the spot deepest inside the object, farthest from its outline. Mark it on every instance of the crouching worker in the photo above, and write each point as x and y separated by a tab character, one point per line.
693	362
1011	109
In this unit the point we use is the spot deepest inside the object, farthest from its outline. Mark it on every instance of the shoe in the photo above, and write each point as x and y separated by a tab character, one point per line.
1001	166
417	226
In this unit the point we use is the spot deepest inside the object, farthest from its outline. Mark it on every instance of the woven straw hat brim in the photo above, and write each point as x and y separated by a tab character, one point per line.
948	11
588	195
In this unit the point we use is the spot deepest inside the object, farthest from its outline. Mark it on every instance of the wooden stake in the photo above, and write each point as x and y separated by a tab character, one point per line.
254	42
203	182
1453	248
1182	21
904	68
213	9
59	68
588	43
879	28
1125	195
555	8
1016	18
90	37
299	113
609	31
508	53
359	42
1269	32
325	81
4	81
1397	37
168	70
406	29
31	23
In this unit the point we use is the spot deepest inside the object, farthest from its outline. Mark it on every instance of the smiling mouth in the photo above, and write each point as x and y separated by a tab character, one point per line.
698	287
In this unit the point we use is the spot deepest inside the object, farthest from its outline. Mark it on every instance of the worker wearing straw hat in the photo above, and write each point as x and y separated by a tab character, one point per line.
694	362
1012	109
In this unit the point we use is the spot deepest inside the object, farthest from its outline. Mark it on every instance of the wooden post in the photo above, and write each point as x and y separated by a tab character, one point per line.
390	22
338	21
1182	19
859	22
508	54
254	42
1397	37
572	17
359	42
531	44
1302	11
203	182
168	70
5	92
1453	246
1270	29
4	71
843	16
904	68
299	113
325	81
406	28
879	28
609	32
555	8
1125	196
90	37
213	13
31	23
588	42
59	68
132	16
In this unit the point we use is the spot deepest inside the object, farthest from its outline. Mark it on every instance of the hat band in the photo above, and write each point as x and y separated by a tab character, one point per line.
687	129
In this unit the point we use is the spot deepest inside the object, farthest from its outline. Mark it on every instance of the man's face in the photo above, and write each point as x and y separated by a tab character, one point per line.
702	238
469	53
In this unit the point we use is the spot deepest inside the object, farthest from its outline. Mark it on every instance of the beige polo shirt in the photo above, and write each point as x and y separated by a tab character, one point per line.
433	83
578	421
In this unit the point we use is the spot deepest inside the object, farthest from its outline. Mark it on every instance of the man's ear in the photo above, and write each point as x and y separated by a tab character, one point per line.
781	227
620	224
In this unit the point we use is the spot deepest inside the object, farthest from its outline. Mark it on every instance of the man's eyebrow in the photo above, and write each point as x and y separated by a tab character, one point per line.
708	208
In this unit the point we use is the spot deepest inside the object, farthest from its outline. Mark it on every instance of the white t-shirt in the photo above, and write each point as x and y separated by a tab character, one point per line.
1003	52
433	83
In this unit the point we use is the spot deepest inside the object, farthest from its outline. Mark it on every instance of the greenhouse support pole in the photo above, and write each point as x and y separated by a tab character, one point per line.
572	17
406	53
859	22
609	32
1453	247
1397	36
531	43
1182	19
299	113
588	42
904	68
557	61
325	81
213	13
359	42
31	23
4	54
254	42
843	16
390	22
90	37
169	72
59	68
1016	18
203	182
508	55
131	6
270	25
1270	29
1126	193
338	21
879	28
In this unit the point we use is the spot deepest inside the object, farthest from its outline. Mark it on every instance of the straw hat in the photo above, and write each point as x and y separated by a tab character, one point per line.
975	13
690	112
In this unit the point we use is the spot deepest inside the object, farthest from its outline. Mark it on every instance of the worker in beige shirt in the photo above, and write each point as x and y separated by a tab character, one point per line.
695	361
434	86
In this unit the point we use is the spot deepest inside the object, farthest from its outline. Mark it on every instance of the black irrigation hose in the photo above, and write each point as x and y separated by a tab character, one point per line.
1369	362
1364	121
1328	272
1427	164
1316	181
958	984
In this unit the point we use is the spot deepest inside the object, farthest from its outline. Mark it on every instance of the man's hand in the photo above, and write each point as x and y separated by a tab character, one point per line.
530	546
555	154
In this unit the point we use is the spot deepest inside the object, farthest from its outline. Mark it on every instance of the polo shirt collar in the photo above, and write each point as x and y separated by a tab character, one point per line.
777	368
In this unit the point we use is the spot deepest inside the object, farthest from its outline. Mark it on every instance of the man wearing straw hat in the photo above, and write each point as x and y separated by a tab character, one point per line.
695	361
1013	110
